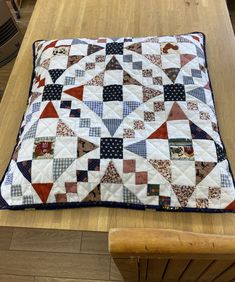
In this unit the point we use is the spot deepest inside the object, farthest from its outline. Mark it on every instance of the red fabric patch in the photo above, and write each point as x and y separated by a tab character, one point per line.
129	166
43	190
76	92
49	111
160	133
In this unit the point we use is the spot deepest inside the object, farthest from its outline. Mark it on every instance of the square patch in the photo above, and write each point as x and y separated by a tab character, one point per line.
129	166
94	164
181	149
111	148
153	189
52	92
174	92
43	148
114	48
112	93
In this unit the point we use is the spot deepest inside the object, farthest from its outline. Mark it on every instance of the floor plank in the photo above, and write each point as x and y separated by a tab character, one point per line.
94	242
114	272
55	265
51	279
5	237
46	240
17	278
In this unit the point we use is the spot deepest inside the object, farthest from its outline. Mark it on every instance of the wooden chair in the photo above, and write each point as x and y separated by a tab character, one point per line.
152	255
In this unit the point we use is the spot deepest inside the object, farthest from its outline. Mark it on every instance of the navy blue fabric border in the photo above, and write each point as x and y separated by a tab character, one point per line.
54	206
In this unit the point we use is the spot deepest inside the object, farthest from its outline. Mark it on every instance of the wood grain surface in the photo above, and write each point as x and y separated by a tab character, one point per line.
155	243
92	18
45	255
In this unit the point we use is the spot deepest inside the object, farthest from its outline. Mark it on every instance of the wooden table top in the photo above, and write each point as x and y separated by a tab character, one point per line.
114	18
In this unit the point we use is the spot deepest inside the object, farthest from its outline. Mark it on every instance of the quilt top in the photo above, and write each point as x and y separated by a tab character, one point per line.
120	122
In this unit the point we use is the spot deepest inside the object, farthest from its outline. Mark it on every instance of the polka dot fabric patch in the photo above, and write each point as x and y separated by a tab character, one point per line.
114	48
174	92
111	148
52	92
112	93
120	122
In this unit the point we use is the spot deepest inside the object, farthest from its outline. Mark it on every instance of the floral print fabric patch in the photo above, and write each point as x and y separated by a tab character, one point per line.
120	122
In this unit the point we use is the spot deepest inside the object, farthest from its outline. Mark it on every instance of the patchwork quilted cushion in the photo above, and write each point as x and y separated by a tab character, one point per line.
120	122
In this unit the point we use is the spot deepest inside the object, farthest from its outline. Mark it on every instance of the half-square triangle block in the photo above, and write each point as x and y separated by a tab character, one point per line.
176	113
43	190
76	92
160	133
113	64
111	175
49	111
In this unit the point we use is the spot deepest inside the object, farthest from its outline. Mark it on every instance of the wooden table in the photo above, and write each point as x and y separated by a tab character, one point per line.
92	18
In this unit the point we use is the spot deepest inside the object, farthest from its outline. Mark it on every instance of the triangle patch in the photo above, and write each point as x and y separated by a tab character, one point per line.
113	64
78	41
49	111
163	167
149	93
198	93
129	80
76	92
25	169
197	132
45	64
98	80
43	190
50	45
40	81
202	170
94	195
55	74
231	206
95	106
154	59
93	49
129	107
64	130
186	58
138	148
74	59
84	147
183	193
111	175
112	124
31	133
136	47
130	197
207	86
172	73
160	133
60	166
176	113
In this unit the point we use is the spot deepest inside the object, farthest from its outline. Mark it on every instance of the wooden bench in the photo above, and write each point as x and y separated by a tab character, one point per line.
152	255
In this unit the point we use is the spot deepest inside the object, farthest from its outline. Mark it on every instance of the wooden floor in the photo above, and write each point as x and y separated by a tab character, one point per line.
31	255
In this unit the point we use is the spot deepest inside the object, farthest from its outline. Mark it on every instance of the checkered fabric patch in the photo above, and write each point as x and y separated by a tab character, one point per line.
85	122
95	131
69	80
16	191
27	200
60	166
